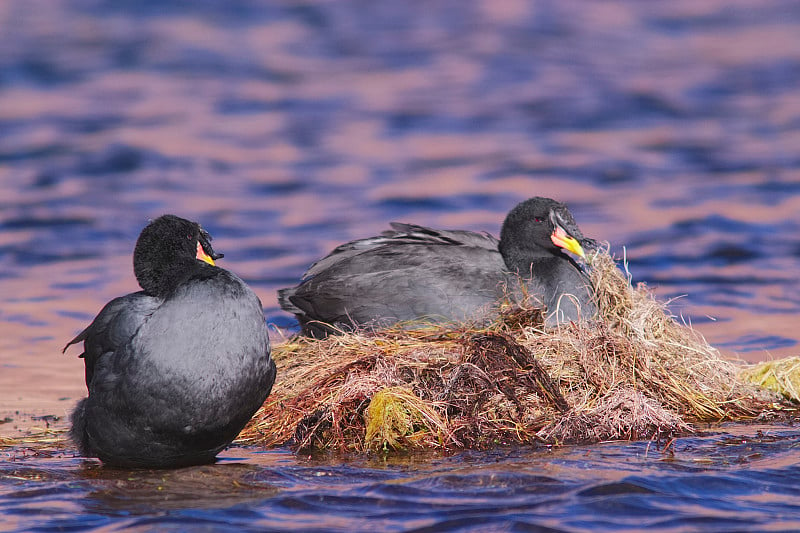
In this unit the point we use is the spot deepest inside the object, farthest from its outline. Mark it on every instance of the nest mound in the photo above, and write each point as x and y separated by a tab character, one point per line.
634	373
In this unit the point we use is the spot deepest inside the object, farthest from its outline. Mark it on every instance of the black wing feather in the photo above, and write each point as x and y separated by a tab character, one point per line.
113	328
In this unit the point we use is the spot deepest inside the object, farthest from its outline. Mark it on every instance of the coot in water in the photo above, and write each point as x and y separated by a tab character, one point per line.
413	272
176	370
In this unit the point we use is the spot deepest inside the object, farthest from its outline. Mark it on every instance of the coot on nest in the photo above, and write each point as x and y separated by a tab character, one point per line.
413	272
175	370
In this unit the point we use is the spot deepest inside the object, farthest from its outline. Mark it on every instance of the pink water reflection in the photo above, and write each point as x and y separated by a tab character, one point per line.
501	112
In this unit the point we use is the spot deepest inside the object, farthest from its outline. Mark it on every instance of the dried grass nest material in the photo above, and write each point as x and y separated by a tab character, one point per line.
635	373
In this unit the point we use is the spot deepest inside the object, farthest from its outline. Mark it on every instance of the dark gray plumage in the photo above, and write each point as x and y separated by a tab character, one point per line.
413	272
174	371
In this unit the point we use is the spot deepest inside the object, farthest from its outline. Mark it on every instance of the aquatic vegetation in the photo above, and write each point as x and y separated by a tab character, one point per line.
633	373
781	376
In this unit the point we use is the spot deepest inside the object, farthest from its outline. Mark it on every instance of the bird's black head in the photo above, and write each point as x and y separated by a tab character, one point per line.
539	227
167	250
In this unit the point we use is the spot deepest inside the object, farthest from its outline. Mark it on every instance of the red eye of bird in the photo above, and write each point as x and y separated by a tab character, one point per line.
538	219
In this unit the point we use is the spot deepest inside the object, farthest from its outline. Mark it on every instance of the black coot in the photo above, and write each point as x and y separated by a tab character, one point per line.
413	272
176	370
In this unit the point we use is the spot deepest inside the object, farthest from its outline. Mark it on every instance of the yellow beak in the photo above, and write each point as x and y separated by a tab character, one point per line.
203	256
566	241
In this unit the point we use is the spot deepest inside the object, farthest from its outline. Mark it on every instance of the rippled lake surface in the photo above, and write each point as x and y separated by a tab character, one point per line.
672	130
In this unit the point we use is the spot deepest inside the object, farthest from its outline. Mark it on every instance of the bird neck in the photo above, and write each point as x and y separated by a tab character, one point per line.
161	279
526	260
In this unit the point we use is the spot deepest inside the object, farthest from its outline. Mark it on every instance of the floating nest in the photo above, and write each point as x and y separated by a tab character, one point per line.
634	373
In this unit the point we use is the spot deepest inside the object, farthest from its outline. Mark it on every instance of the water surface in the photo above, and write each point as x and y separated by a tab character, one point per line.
671	129
743	479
